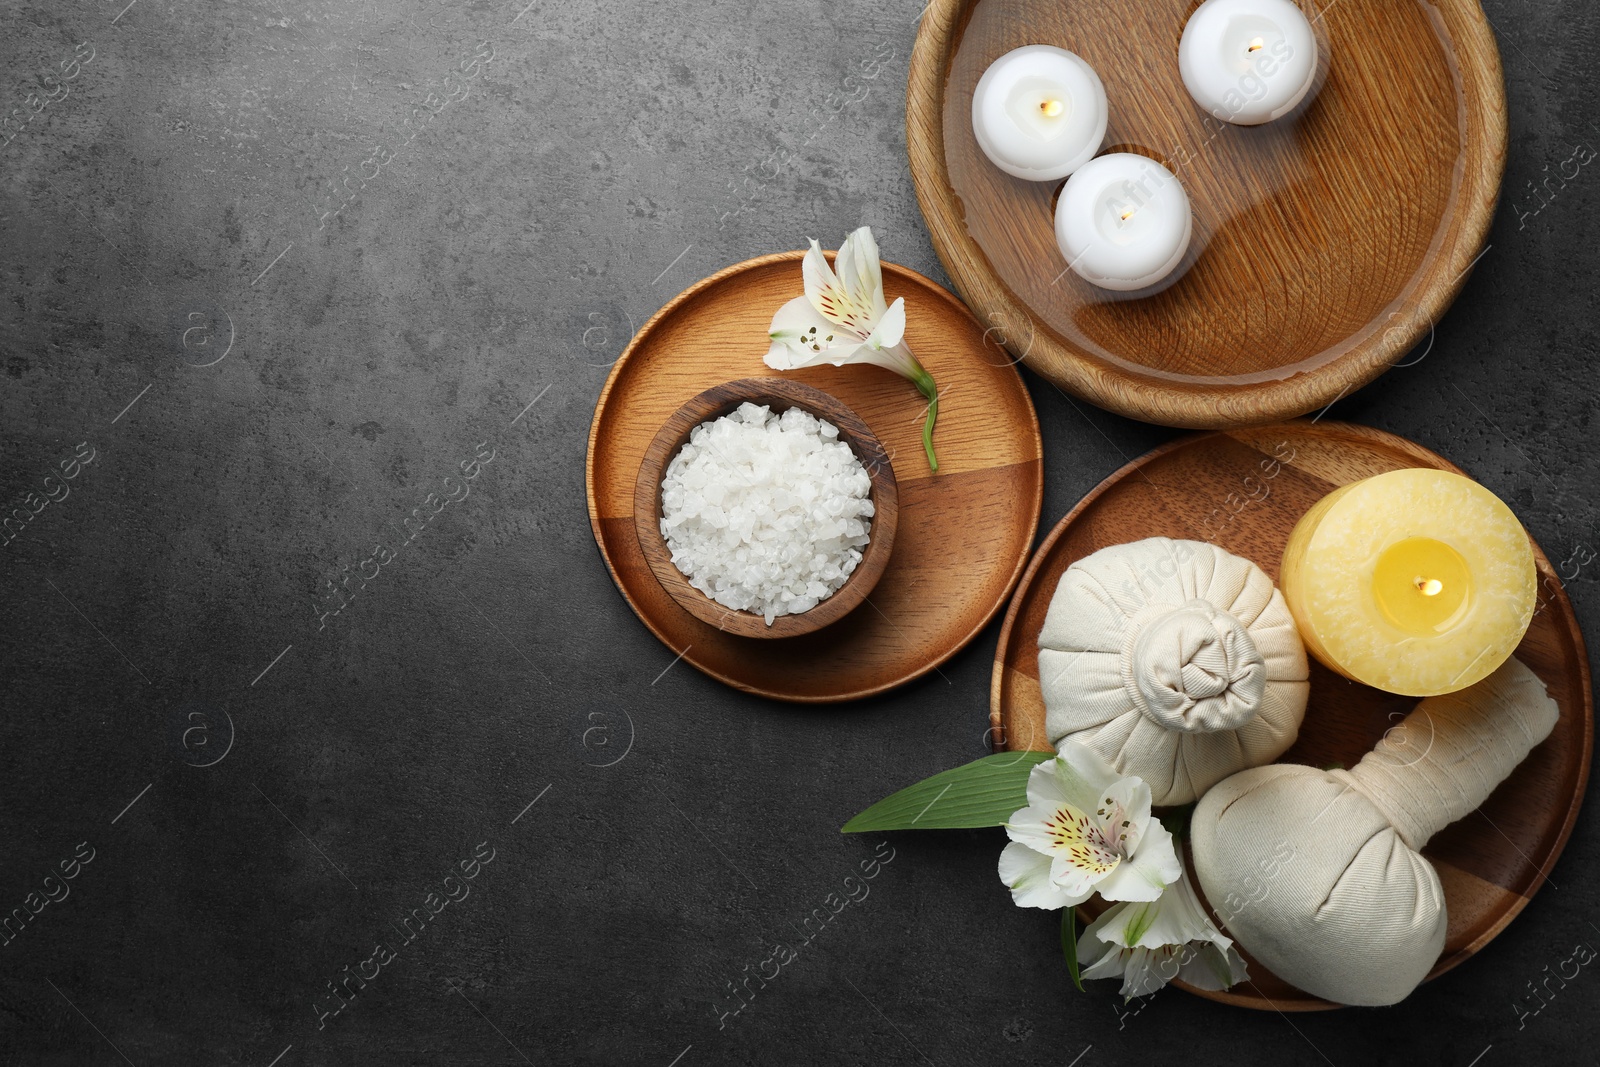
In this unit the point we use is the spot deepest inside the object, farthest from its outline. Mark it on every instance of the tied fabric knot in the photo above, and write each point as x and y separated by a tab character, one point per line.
1445	757
1194	668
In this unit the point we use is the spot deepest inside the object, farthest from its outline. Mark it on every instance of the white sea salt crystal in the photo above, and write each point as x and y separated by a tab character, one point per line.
766	513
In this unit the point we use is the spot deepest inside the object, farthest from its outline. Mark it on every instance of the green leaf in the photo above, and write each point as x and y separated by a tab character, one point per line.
985	792
1069	944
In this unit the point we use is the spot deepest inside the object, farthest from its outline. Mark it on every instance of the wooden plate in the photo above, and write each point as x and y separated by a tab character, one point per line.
778	394
1325	245
964	534
1244	490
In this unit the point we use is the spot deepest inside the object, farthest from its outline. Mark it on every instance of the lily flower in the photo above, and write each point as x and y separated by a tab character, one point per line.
843	319
1086	830
1148	944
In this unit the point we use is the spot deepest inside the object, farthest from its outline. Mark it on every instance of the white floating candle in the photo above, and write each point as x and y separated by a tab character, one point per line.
1039	113
1123	221
1248	61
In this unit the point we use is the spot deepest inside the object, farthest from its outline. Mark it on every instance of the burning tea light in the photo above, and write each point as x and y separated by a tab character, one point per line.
1248	61
1039	113
1123	221
1420	582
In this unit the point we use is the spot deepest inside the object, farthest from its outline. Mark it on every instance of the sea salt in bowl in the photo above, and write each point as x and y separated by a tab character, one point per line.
779	395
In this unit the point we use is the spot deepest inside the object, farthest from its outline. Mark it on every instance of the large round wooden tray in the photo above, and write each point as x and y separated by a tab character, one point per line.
1205	488
1326	243
963	536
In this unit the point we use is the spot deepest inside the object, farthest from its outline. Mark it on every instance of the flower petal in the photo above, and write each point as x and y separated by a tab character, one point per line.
1148	970
1175	918
1161	923
1184	919
1027	874
784	355
1072	876
1034	827
1213	967
1110	965
891	327
1091	946
792	356
803	338
1130	808
1077	778
1149	943
796	318
860	272
1145	874
1080	856
897	358
1128	882
817	275
1129	924
829	297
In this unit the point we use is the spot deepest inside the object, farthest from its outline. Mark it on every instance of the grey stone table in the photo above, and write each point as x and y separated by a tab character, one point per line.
277	274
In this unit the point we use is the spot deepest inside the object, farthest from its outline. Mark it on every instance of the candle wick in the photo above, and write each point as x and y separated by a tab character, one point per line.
1051	108
1428	586
1256	44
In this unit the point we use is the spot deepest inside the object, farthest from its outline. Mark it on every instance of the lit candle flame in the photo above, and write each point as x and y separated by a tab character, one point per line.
1428	586
1256	44
1051	108
1126	215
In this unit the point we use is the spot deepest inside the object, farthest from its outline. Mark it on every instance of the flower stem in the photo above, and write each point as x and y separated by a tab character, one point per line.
1069	944
925	385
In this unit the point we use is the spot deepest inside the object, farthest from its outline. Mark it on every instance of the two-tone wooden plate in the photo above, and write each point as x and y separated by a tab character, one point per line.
1244	490
1326	243
963	536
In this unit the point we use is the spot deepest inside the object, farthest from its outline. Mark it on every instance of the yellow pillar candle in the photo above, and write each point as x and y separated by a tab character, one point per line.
1419	582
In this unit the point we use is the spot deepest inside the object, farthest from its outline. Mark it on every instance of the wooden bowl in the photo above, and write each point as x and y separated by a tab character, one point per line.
780	394
1244	491
1326	243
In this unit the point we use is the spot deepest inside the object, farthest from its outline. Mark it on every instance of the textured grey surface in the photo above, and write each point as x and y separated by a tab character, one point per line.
607	154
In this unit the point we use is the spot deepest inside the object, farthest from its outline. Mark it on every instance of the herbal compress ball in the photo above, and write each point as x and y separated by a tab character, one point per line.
1354	913
1175	660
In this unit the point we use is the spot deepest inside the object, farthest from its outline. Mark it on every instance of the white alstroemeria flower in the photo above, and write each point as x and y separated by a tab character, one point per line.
1148	944
843	319
1086	830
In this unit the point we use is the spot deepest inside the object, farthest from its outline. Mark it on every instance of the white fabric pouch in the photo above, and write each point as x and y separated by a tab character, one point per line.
1176	661
1319	874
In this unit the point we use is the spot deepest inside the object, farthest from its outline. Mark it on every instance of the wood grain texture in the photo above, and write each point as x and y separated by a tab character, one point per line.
963	535
1326	243
780	394
1244	490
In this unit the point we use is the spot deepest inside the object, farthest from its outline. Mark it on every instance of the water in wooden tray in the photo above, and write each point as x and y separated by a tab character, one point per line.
1309	231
